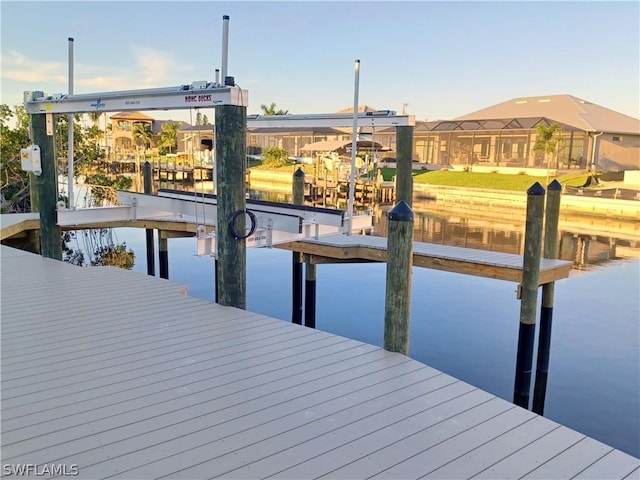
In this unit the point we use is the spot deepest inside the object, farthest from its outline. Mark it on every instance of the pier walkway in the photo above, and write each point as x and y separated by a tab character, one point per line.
471	261
337	248
124	376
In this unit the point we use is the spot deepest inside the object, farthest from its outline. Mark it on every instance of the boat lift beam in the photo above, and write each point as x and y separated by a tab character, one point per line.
308	214
380	118
201	94
206	213
275	223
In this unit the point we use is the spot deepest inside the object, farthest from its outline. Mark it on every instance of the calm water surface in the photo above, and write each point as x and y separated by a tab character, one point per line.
468	326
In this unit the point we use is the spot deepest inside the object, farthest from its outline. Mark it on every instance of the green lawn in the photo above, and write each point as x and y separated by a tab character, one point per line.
496	181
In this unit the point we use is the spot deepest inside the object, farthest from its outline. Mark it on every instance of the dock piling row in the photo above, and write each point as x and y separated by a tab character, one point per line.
297	260
529	294
148	188
551	244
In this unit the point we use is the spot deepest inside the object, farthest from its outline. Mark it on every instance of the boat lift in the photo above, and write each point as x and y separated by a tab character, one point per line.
271	223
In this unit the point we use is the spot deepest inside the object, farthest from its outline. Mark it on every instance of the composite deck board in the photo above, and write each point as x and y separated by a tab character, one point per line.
635	474
151	383
505	266
195	380
109	341
473	462
612	465
536	453
344	457
13	223
152	355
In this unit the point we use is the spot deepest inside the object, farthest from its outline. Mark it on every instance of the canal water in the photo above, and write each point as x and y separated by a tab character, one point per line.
468	326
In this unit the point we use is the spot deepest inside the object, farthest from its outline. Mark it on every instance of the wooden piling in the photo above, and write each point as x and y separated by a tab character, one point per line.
309	294
47	182
148	188
398	283
404	160
34	201
230	141
33	237
529	294
551	244
215	280
163	255
296	307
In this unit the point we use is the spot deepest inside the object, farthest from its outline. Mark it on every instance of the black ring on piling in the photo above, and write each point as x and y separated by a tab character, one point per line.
254	224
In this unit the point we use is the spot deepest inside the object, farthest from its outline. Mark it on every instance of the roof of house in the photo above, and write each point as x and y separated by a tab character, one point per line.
361	109
566	109
132	115
286	130
520	123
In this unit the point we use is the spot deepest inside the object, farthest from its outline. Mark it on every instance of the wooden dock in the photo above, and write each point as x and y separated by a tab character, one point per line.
471	261
124	376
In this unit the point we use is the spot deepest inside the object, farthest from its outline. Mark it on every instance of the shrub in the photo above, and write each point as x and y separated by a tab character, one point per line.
275	157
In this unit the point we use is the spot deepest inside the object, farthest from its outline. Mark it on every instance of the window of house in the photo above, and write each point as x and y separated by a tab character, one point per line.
616	138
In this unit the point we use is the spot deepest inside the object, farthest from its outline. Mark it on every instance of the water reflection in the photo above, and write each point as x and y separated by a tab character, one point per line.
583	240
576	244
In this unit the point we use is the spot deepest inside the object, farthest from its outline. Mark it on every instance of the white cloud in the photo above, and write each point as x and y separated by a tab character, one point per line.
155	67
150	68
15	66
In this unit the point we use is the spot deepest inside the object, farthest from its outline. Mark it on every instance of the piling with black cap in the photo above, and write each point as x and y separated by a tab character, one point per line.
163	255
148	188
551	245
529	294
398	283
296	307
309	294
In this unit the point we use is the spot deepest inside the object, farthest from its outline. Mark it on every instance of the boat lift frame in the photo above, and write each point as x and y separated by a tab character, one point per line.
283	223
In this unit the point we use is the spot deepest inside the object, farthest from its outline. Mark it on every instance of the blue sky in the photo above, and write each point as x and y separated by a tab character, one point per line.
443	59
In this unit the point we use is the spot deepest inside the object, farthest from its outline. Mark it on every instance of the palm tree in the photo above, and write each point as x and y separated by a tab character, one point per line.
271	110
95	117
142	134
548	139
169	135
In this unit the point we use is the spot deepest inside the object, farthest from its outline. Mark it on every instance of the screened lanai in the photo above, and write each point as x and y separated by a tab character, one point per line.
507	142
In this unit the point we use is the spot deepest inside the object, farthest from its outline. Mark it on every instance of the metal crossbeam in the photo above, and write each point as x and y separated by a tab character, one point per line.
385	118
198	94
267	238
206	212
324	216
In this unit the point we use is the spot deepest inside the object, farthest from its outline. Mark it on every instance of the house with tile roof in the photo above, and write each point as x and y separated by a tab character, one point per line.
503	135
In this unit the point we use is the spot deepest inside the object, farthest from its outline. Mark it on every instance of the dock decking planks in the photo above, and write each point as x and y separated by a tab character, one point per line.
148	382
471	261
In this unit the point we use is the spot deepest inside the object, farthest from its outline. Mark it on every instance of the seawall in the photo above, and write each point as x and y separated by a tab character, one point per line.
476	198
